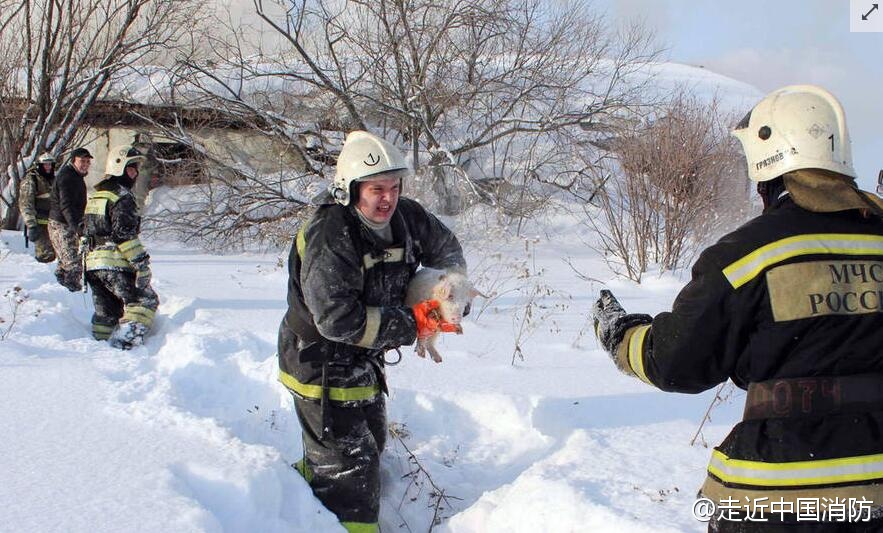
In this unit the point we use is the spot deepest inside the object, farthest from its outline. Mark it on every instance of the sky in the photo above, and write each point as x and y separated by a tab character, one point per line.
773	44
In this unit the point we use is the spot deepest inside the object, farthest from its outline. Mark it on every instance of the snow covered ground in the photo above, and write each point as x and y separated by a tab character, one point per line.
192	431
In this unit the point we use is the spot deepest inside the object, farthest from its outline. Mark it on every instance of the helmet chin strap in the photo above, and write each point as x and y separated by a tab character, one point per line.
770	191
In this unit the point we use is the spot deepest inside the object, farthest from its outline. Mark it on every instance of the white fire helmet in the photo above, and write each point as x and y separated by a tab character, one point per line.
799	126
46	157
365	156
120	157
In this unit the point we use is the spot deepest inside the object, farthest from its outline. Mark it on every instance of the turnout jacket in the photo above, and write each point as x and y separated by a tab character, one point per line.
346	293
34	197
790	294
68	198
112	224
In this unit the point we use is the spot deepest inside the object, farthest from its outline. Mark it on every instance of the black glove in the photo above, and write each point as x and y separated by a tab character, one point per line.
611	321
35	232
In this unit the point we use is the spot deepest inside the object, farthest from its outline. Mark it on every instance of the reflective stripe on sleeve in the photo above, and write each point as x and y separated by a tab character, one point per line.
636	352
372	327
749	267
796	473
360	527
338	394
131	249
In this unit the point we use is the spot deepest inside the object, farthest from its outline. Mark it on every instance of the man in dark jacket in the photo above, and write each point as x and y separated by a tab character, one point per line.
34	204
68	201
117	265
349	269
789	307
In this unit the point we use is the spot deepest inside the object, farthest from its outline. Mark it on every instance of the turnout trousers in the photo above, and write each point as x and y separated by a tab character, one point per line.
343	466
118	301
44	252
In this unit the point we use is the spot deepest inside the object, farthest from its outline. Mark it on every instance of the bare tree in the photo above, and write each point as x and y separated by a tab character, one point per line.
675	184
58	57
231	204
491	89
478	92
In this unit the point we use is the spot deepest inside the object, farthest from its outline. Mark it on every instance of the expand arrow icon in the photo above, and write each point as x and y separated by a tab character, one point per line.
866	15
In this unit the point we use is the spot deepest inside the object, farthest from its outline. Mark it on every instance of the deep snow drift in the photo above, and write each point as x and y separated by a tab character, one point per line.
192	431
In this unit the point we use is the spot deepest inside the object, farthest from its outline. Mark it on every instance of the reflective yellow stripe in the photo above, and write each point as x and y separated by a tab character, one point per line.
131	249
101	332
301	242
392	255
100	259
107	195
138	313
636	352
749	267
43	221
372	327
97	203
305	471
338	394
96	206
360	527
797	473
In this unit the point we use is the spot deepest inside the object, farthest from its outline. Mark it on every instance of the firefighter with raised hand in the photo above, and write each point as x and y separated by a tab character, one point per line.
349	269
788	307
117	265
34	204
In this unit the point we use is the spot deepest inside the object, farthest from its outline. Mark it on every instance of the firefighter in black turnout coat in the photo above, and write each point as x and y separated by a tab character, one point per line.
349	269
117	265
789	307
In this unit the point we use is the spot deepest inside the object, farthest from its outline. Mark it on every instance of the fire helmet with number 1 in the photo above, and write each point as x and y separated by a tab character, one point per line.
792	128
365	156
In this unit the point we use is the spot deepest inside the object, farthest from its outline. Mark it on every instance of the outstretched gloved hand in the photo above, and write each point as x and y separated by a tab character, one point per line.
606	311
611	321
429	319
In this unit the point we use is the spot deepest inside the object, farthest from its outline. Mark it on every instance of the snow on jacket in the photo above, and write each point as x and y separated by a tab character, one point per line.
346	295
791	294
112	224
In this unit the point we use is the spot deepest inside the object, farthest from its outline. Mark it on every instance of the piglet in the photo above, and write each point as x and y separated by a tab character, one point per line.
452	290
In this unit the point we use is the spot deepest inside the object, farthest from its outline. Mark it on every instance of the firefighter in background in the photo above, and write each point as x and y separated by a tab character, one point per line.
349	269
34	205
789	307
117	265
